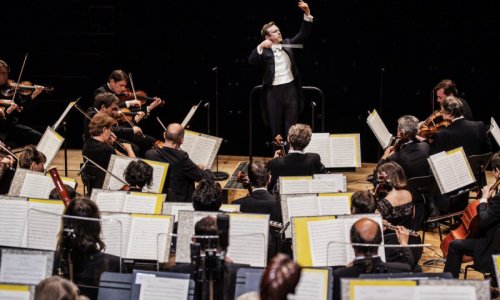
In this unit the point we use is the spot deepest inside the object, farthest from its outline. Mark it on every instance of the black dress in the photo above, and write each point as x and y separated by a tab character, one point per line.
100	153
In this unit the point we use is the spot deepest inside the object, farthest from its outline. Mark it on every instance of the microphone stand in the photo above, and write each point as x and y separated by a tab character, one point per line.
218	175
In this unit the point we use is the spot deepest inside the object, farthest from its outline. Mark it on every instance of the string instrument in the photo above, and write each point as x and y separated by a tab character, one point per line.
24	88
126	115
60	187
469	226
383	185
432	125
138	95
279	146
242	178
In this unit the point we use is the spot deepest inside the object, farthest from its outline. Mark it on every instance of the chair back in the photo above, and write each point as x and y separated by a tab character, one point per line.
422	189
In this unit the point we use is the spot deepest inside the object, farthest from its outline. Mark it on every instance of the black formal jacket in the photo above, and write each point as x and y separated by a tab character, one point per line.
261	202
471	135
358	269
466	109
105	89
412	157
100	153
294	164
489	223
122	132
266	59
182	173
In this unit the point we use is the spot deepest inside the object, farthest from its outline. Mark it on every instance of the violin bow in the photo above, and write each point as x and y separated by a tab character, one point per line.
19	77
161	123
132	85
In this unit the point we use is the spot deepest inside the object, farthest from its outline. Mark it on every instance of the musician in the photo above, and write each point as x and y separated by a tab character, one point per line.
32	159
470	135
260	201
12	131
296	162
365	231
80	242
447	88
55	287
138	175
7	172
481	247
99	149
108	103
280	278
207	196
363	202
182	171
282	87
411	154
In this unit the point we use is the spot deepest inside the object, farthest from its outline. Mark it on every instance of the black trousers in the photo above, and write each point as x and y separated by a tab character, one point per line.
282	107
21	135
456	251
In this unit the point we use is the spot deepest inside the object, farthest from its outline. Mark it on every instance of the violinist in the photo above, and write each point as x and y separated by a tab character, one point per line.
480	248
12	131
408	152
32	159
98	149
296	162
447	88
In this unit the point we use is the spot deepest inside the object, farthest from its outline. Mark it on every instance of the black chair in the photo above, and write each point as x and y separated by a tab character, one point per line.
92	177
478	163
421	189
496	250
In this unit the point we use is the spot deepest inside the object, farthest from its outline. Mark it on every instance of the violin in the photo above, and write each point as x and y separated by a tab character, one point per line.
125	115
432	124
138	95
242	178
24	87
279	146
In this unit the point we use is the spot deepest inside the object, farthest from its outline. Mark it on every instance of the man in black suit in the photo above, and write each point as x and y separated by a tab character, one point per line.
480	248
409	153
282	87
182	171
260	201
296	162
365	231
447	88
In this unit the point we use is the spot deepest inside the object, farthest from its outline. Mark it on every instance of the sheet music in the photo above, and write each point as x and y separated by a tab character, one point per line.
63	115
159	174
23	268
230	208
119	166
248	239
495	131
334	204
142	203
321	237
461	167
335	182
201	148
384	292
451	170
35	186
294	185
190	114
156	288
110	201
15	292
313	284
148	237
345	151
13	216
43	228
320	144
177	208
443	292
378	127
115	230
49	145
302	206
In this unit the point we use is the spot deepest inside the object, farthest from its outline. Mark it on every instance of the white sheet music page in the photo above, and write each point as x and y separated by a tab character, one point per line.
384	292
345	151
44	223
203	150
36	186
326	239
295	185
190	115
159	174
443	292
119	166
444	171
110	201
320	144
49	145
334	204
461	166
15	292
329	183
115	231
313	284
141	203
248	239
378	128
302	206
148	237
177	208
23	268
63	115
13	217
495	131
159	288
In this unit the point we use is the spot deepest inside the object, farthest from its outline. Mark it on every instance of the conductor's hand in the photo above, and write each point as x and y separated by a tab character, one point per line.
266	44
305	8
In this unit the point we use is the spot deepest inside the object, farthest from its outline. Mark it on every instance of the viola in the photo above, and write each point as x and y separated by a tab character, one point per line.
433	124
279	146
242	178
125	115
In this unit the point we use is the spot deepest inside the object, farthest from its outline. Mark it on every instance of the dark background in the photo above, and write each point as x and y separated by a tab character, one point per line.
362	55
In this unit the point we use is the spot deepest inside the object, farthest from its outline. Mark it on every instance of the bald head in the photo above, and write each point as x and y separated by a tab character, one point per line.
174	134
365	231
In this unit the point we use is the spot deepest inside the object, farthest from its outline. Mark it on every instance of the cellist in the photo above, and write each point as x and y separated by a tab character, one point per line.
480	248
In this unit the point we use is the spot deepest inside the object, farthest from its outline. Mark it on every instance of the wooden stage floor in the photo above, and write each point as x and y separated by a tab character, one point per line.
356	181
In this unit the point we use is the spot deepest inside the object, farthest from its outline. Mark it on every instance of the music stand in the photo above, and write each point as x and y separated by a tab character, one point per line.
218	175
115	286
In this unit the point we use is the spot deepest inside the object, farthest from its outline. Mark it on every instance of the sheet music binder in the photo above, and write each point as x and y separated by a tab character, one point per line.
136	286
